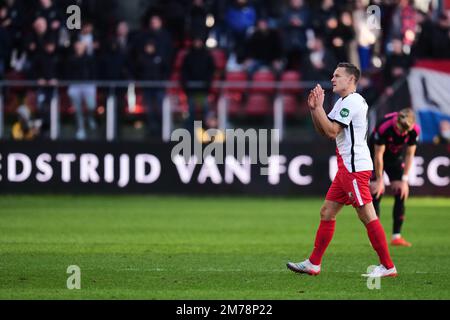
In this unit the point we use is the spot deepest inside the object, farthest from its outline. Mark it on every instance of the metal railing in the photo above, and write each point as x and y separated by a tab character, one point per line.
167	105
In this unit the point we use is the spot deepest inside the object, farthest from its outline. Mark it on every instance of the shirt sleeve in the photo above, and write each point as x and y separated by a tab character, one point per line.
345	112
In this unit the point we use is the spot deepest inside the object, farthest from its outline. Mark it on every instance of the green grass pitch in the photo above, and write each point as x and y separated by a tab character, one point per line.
149	247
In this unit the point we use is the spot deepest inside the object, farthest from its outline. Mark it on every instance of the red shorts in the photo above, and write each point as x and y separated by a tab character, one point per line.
350	188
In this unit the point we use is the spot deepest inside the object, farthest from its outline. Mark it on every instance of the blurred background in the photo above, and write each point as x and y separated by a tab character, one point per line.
243	58
134	71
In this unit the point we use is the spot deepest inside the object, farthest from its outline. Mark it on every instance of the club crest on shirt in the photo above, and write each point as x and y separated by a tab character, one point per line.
344	113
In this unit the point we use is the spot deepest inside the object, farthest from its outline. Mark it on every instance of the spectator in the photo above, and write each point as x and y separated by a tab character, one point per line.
153	67
160	36
264	48
25	128
122	35
51	13
11	18
321	18
174	14
219	30
444	133
240	17
45	71
397	65
35	41
81	67
441	37
341	37
404	22
46	63
5	40
366	88
423	46
198	66
5	21
235	63
295	23
116	55
320	63
273	10
88	37
366	36
196	20
116	64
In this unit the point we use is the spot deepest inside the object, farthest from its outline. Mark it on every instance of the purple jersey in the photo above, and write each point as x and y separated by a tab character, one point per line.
386	133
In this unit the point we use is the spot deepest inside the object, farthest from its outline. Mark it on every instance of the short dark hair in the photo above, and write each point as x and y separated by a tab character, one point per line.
351	69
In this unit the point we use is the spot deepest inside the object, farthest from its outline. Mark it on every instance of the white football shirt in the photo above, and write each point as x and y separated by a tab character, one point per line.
351	113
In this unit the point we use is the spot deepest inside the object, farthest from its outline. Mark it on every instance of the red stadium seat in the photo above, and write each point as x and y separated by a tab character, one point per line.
12	94
235	93
11	101
265	77
260	99
177	93
290	92
235	76
258	104
234	105
65	105
215	90
220	59
290	78
290	103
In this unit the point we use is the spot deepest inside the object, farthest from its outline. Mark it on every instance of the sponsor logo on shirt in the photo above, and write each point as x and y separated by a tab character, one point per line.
344	113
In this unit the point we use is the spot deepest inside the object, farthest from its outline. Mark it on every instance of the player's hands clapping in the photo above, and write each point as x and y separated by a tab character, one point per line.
316	97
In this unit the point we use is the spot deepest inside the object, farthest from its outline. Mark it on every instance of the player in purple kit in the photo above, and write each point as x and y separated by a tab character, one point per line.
392	135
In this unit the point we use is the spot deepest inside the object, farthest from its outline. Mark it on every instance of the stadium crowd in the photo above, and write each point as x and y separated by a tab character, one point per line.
192	40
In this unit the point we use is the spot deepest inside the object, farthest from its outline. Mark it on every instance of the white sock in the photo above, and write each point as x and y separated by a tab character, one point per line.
396	236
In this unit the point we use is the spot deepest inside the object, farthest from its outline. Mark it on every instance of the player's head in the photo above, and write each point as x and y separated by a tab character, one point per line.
406	120
345	78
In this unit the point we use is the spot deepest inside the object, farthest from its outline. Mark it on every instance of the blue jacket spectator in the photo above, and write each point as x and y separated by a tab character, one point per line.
239	18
